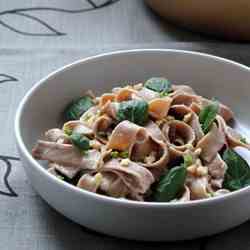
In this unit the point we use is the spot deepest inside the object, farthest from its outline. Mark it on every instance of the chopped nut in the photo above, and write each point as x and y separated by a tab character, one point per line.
189	146
160	122
92	118
198	162
170	118
95	144
98	179
197	151
150	158
192	169
187	117
125	162
202	171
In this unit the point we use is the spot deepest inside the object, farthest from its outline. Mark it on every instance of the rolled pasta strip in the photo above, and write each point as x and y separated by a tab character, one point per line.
125	94
56	135
66	155
179	111
198	187
212	143
89	117
217	167
113	185
147	94
110	109
137	178
232	137
179	135
101	126
105	98
159	107
125	135
185	99
183	88
78	127
68	171
196	126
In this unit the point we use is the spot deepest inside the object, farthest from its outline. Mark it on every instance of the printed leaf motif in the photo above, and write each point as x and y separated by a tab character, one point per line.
10	19
5	171
7	78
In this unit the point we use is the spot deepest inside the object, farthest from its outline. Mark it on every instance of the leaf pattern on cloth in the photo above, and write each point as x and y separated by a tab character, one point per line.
6	168
7	78
10	19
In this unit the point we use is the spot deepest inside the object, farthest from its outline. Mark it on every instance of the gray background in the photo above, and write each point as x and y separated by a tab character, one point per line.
26	221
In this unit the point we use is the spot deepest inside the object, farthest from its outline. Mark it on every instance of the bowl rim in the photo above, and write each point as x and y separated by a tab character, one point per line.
99	197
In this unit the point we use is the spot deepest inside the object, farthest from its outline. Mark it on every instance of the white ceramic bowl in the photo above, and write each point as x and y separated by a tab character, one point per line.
41	107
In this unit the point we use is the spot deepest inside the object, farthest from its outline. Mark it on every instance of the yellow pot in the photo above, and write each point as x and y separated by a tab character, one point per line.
225	18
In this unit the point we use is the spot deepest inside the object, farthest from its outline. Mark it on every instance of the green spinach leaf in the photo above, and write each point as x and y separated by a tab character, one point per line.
76	108
135	111
207	116
80	141
170	184
160	85
238	173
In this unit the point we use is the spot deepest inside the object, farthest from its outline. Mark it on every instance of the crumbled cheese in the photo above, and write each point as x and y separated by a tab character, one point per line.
125	162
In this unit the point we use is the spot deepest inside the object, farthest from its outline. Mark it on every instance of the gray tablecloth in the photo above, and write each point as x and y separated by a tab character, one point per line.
36	37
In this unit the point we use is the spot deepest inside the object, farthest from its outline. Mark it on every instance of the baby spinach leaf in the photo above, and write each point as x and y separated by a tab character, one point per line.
170	184
80	141
207	116
135	111
159	84
238	172
76	108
